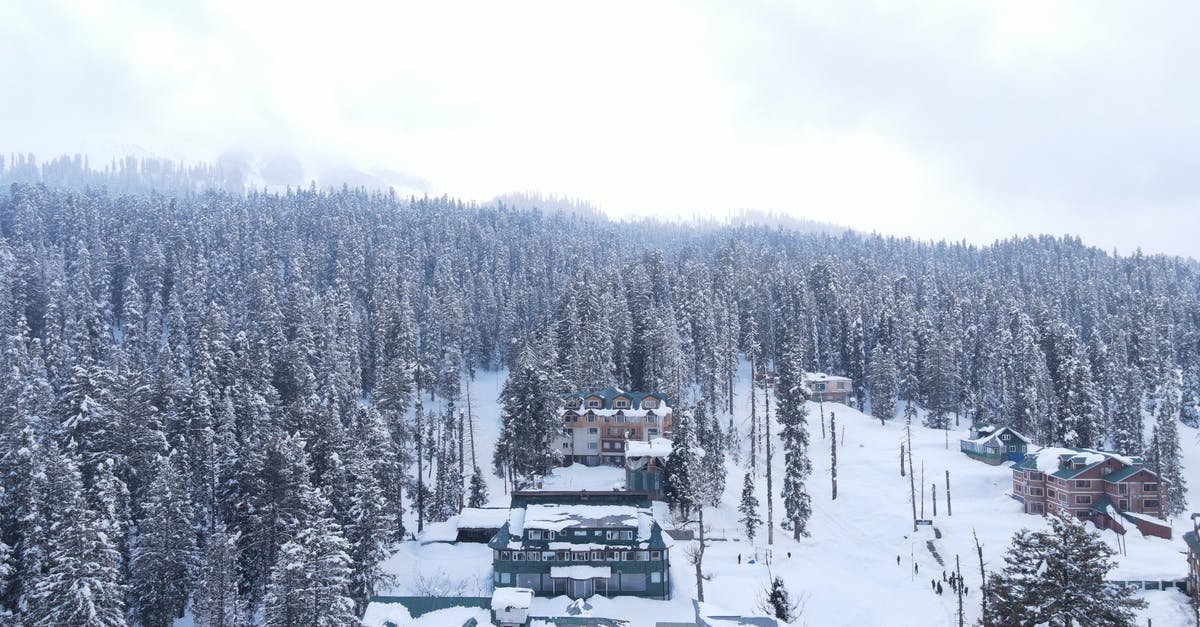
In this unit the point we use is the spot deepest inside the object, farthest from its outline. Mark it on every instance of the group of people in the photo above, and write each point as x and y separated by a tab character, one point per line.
955	582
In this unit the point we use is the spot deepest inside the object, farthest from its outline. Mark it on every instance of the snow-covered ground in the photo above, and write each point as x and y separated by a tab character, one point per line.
846	572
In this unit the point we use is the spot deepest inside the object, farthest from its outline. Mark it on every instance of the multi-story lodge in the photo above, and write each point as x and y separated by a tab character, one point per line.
829	388
1192	540
1112	491
596	425
582	543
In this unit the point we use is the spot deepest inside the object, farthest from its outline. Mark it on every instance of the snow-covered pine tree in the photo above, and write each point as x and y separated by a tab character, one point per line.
529	420
712	465
1058	578
748	507
1165	455
479	492
310	581
792	415
683	477
215	600
163	558
882	383
80	582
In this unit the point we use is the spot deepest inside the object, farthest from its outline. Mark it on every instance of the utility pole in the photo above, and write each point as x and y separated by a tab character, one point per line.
982	574
471	425
753	419
901	459
821	407
933	491
833	453
912	488
922	488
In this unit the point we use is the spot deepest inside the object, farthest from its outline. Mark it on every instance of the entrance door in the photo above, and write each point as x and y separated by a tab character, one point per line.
581	588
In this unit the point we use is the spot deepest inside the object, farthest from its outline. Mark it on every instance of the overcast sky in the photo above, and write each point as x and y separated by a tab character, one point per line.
952	119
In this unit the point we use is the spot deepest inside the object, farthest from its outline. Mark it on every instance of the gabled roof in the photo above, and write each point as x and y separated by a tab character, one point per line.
993	435
611	392
1124	473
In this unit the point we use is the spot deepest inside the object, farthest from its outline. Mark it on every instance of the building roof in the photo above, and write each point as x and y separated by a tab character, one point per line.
1193	542
611	392
822	377
657	447
482	517
509	598
559	517
1123	474
992	433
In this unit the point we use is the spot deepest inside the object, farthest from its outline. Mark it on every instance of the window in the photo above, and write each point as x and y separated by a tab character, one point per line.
1036	508
597	555
651	419
650	403
627	535
1123	504
591	417
1006	437
593	430
652	431
628	556
1149	487
1035	491
633	582
518	556
580	532
505	577
548	556
550	535
592	446
1150	503
1083	499
535	556
564	556
580	556
1012	449
1036	476
1050	493
1082	483
611	535
504	555
594	403
1105	470
1122	488
643	556
841	385
621	403
655	555
656	576
620	418
612	556
821	387
1018	488
535	534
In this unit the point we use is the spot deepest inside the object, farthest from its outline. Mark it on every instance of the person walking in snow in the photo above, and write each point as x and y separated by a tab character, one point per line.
897	560
916	567
739	558
939	589
933	585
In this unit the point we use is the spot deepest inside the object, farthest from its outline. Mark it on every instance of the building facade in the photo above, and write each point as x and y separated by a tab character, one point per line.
596	425
1112	491
1192	540
995	446
829	388
582	544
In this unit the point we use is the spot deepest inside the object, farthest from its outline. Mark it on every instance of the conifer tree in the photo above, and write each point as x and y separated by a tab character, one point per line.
216	602
479	491
748	508
792	395
163	559
1058	578
883	384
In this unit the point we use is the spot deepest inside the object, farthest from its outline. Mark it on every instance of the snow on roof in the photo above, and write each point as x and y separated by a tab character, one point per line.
821	376
581	572
482	518
557	517
506	598
1048	457
991	433
657	447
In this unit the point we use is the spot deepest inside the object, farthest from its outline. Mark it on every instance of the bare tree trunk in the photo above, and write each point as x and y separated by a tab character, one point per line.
753	420
833	453
698	560
471	425
821	407
912	486
982	575
958	569
949	508
461	461
770	492
902	460
922	488
933	491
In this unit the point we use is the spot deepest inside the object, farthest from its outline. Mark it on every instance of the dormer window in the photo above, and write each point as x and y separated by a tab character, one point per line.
650	403
535	534
593	403
621	403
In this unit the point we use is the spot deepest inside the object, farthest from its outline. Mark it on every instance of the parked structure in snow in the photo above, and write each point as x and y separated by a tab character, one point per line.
1192	539
993	445
645	463
581	544
596	425
1112	491
510	606
829	388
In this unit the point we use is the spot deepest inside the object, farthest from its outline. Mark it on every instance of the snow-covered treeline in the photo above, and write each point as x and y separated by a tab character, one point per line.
239	399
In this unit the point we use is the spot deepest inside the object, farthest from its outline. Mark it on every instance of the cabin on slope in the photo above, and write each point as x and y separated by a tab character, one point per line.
581	544
993	445
1111	491
596	426
829	388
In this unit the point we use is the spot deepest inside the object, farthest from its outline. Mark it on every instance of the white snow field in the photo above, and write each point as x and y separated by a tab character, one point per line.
846	572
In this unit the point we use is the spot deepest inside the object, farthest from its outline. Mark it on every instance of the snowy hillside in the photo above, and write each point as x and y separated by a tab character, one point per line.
847	571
